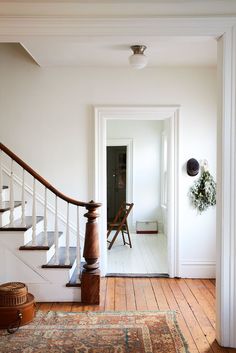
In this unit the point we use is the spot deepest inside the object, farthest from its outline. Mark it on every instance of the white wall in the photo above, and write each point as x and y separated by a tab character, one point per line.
146	137
46	116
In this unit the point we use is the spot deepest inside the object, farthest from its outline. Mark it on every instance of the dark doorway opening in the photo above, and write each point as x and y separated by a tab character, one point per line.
116	179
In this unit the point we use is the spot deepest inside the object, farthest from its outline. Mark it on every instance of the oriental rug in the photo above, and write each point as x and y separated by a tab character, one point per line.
97	332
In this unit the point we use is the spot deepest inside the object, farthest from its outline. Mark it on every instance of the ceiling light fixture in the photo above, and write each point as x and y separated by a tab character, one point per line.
138	60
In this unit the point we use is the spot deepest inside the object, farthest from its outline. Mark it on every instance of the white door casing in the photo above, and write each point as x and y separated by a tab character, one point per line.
226	200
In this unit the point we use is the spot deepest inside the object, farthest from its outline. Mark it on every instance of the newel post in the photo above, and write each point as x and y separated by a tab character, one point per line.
90	277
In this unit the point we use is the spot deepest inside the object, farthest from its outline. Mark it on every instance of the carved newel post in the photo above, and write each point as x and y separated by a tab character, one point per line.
90	278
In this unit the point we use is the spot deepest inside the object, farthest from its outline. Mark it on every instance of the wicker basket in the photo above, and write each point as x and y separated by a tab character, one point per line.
13	293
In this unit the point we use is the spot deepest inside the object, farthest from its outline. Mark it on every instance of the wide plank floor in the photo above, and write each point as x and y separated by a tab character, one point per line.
192	299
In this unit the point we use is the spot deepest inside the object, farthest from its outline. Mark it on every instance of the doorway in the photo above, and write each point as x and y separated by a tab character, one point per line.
116	179
169	114
146	229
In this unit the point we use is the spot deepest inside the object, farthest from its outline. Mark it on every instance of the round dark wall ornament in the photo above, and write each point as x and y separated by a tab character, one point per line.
192	167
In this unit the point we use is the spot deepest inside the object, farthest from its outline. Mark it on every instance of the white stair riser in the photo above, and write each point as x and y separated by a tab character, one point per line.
53	275
5	216
54	293
57	275
39	257
15	239
19	269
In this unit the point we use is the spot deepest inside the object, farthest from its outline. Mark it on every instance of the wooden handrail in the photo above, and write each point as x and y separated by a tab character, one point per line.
43	181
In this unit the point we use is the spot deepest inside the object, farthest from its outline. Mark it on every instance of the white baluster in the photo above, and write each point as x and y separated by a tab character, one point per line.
11	196
45	219
23	199
78	253
56	235
67	257
1	179
34	214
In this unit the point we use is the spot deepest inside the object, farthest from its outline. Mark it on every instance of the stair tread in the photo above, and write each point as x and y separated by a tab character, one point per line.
40	242
17	226
5	206
62	255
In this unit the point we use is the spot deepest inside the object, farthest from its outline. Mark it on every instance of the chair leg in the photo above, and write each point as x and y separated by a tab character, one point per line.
114	238
123	228
130	244
123	237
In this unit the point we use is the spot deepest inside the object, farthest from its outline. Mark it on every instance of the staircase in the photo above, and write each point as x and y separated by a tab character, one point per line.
46	258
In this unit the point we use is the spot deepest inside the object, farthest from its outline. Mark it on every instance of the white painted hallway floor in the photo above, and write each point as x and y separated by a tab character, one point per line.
148	255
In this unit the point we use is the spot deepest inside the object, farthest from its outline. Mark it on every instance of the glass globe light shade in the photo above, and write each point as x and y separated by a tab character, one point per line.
138	61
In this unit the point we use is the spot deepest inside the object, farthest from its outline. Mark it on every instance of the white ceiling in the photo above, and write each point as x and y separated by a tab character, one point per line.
114	51
100	32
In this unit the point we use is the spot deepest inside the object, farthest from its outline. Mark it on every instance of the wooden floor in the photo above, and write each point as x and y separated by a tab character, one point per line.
193	300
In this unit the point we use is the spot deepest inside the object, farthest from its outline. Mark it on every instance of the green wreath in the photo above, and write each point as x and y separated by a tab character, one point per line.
203	192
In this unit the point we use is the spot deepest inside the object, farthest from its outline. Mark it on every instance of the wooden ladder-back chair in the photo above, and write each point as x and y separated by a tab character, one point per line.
120	225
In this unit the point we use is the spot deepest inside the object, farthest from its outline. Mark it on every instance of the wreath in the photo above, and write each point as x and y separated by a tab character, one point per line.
203	192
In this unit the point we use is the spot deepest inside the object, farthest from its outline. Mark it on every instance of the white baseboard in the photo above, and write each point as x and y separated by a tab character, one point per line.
198	269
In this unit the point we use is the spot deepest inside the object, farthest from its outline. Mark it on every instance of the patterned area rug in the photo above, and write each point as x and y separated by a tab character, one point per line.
97	332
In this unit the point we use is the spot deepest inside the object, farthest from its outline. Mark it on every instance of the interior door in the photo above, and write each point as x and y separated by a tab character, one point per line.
116	179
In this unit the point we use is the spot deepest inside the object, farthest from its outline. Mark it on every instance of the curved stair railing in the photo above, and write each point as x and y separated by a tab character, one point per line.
90	277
